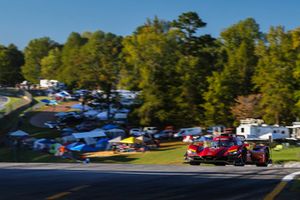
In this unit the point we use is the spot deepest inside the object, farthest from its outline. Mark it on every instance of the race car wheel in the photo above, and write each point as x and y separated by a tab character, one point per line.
240	161
267	160
194	163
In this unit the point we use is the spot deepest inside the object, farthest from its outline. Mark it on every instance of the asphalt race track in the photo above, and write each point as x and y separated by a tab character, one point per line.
124	181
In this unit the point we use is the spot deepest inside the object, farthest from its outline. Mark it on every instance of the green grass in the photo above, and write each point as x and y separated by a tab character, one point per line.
288	154
170	153
26	155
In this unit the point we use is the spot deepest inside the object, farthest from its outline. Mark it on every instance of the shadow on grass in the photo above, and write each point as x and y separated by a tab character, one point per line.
113	159
163	149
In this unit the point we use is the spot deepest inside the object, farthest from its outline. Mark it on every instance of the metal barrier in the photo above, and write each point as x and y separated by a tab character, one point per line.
9	107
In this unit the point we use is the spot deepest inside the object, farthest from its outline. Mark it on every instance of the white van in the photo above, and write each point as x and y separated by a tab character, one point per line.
188	131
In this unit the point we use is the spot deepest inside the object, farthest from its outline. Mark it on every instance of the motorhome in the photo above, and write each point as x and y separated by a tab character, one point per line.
45	83
295	130
256	129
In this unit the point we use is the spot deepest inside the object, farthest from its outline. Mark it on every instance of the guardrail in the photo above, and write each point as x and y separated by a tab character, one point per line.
8	108
9	114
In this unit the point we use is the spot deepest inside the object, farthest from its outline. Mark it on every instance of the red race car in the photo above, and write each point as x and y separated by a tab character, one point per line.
227	149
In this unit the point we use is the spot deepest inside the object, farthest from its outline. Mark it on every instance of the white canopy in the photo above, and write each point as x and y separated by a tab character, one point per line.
91	113
90	134
19	133
102	115
115	140
81	107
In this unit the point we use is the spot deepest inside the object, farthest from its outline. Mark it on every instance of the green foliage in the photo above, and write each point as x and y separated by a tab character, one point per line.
235	79
185	78
50	65
274	77
71	60
11	60
152	52
36	50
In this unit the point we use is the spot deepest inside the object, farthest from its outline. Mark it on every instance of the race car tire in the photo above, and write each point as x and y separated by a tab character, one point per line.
267	161
194	163
241	160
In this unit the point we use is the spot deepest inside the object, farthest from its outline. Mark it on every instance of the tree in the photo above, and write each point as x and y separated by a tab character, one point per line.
235	79
152	51
11	60
246	107
274	76
51	64
197	60
36	50
100	63
69	72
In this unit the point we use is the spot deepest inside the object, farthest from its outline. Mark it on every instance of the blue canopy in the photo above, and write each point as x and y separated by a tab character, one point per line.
83	148
102	144
73	145
45	101
50	102
109	126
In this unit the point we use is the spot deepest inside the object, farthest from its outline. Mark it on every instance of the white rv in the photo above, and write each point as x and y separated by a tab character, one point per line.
256	129
295	130
45	83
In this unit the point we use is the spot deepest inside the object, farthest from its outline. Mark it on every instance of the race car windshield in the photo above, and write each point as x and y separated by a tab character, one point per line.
222	143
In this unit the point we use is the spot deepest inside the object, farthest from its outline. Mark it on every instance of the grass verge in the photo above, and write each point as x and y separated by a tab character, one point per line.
287	154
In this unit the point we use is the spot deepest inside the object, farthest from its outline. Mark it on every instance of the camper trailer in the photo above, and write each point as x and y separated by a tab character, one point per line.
256	129
295	130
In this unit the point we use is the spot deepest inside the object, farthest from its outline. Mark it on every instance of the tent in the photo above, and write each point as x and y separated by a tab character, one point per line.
69	146
112	133
102	144
83	148
109	126
90	134
49	102
116	140
81	107
102	115
19	133
131	140
46	101
144	139
91	113
54	148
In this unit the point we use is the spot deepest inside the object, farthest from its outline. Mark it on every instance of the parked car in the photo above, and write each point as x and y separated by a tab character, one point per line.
53	124
136	132
68	114
165	134
188	131
67	131
86	126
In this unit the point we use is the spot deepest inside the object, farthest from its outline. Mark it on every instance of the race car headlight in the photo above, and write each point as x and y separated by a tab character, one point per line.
232	152
191	151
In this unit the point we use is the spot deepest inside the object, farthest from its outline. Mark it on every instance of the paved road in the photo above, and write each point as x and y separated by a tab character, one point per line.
105	181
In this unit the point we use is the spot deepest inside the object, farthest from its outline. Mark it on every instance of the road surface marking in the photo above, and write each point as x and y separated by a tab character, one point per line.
281	185
79	188
62	194
59	195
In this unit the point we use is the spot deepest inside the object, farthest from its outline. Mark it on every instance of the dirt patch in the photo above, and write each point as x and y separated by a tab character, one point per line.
48	112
